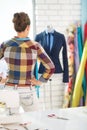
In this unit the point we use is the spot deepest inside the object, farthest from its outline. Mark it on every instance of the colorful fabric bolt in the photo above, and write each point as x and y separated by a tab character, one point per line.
80	47
77	93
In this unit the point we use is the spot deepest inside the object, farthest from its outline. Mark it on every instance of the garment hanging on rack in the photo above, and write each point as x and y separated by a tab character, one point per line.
71	58
76	52
85	32
85	38
80	47
77	93
80	83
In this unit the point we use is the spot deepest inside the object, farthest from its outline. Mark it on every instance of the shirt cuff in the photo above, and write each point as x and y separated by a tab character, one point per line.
43	79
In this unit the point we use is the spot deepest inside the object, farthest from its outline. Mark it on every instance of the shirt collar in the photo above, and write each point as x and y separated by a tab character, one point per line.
22	39
49	32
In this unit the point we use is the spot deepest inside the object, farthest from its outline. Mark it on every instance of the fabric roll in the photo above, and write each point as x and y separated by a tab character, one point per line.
80	47
76	52
85	38
77	93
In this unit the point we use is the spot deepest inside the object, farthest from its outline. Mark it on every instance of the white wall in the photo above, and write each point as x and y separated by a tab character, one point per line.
7	9
59	13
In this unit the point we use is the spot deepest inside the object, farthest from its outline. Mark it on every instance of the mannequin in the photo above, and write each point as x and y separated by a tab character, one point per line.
58	45
49	28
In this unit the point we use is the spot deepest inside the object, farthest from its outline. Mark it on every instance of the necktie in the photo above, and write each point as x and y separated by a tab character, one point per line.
48	42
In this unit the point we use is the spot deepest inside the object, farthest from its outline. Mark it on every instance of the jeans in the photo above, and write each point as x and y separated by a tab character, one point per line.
27	97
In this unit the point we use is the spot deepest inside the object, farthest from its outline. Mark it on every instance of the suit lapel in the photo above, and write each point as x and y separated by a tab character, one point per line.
44	40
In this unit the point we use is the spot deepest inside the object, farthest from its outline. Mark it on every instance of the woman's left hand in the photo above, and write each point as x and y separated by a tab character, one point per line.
35	82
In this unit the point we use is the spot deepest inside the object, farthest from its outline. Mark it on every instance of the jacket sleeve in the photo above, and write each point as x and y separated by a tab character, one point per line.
65	62
47	63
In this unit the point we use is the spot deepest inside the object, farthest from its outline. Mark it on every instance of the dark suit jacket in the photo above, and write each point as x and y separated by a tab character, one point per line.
58	44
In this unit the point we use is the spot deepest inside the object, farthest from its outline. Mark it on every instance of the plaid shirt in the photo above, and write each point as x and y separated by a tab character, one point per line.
21	55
